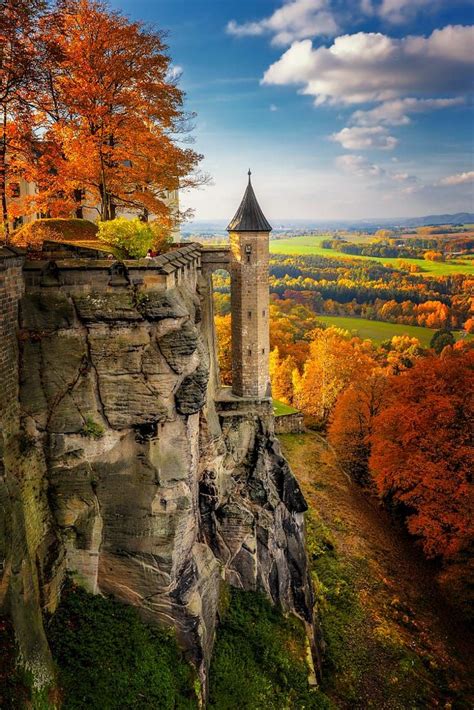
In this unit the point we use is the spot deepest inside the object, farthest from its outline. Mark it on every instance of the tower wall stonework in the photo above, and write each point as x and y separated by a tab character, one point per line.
250	314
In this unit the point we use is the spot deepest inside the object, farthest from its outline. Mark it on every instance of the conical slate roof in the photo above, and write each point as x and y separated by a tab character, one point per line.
249	217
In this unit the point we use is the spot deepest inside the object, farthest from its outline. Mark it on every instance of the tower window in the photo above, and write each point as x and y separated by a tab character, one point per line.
249	314
264	313
249	352
263	351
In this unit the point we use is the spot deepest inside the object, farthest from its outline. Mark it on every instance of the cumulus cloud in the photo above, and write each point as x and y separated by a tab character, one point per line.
362	138
295	20
458	179
366	67
396	113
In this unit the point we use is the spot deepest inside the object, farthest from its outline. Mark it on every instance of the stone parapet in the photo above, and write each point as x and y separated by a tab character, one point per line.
289	423
167	271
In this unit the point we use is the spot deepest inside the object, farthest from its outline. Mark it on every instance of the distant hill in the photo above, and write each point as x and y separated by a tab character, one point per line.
299	226
433	219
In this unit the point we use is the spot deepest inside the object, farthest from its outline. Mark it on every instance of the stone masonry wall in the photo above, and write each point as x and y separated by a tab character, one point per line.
289	424
250	314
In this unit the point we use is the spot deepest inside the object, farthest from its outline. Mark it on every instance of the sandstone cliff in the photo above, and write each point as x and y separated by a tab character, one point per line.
145	480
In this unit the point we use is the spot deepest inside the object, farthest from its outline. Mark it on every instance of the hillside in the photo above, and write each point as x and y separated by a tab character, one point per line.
393	642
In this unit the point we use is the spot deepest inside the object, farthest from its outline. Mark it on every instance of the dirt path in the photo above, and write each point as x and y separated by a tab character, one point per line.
400	645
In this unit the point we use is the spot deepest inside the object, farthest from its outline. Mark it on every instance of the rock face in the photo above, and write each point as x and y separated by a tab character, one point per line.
156	493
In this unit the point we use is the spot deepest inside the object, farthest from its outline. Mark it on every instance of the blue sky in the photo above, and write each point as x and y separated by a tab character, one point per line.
342	108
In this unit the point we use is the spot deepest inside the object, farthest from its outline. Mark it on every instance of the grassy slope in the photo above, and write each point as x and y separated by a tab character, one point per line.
392	643
378	331
312	246
280	408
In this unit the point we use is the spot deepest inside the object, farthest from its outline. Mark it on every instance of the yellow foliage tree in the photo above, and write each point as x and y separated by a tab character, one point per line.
281	376
335	360
224	347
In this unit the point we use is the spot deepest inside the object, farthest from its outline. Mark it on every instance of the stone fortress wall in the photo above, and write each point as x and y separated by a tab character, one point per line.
133	469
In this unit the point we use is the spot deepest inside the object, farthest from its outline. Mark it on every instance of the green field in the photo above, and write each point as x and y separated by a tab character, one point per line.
312	246
378	331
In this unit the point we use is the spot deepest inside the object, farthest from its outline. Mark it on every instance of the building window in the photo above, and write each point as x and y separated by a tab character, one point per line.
249	314
263	351
249	352
15	189
264	313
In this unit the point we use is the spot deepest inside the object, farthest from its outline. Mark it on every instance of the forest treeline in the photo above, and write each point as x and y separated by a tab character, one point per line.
368	289
421	247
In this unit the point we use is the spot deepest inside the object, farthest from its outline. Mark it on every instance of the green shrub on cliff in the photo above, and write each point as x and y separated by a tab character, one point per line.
108	658
132	238
259	660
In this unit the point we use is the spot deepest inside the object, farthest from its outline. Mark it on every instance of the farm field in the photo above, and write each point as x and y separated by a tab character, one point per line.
378	331
311	245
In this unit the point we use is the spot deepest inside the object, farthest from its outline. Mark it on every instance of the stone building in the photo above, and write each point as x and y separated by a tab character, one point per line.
249	233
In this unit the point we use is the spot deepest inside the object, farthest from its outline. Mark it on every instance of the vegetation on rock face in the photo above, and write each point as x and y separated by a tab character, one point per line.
259	659
108	658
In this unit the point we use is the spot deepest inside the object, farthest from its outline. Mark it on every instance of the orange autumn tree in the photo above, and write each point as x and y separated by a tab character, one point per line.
18	59
422	454
110	116
335	360
352	423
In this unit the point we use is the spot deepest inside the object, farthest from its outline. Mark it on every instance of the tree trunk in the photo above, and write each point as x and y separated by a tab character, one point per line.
3	176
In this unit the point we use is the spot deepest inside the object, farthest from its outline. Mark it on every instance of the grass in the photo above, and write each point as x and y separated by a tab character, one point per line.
108	658
311	245
378	331
259	660
280	409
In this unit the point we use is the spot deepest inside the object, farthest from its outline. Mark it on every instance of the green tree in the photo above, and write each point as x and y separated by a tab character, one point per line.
441	339
133	238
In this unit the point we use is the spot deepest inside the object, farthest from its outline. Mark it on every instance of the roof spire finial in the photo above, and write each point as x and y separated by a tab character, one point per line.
249	174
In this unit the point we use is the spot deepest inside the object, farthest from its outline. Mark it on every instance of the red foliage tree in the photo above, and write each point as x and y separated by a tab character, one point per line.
422	449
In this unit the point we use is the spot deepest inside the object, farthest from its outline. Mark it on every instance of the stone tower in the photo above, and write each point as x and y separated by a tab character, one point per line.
249	234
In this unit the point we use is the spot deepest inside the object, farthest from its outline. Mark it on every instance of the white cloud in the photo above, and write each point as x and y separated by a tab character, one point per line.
363	168
374	67
395	113
174	72
458	179
363	138
360	166
295	20
273	108
397	11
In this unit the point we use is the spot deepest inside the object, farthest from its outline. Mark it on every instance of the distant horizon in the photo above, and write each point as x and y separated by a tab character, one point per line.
288	222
